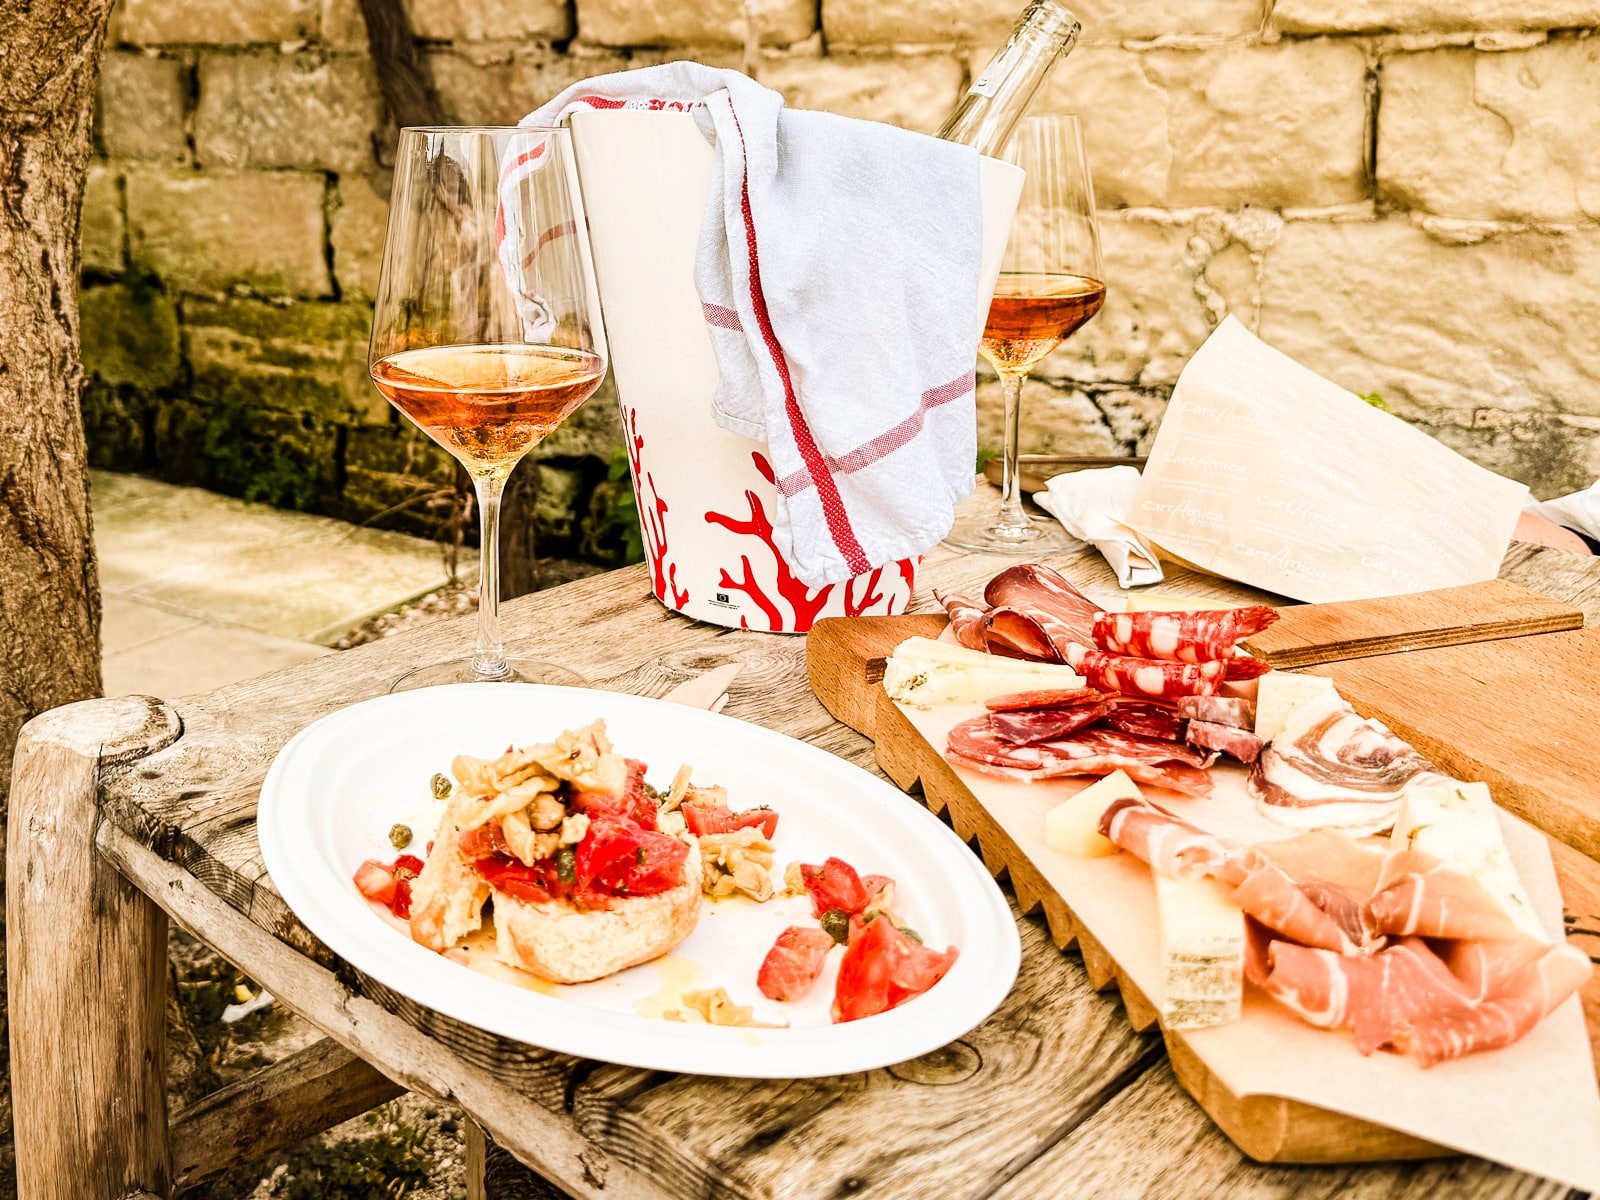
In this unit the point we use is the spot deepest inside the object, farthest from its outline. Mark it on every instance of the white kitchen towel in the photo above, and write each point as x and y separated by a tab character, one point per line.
838	271
1093	505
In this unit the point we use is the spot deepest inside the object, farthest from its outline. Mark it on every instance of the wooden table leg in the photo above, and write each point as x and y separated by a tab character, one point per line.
86	954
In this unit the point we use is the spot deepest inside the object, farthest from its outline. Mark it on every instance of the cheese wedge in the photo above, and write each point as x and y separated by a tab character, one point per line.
1202	952
1163	602
925	672
1457	823
1280	693
1073	826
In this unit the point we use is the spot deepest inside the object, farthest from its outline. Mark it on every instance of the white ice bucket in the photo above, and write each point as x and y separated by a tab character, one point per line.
706	496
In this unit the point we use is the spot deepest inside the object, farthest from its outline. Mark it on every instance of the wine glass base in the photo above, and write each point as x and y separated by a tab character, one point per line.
982	533
461	670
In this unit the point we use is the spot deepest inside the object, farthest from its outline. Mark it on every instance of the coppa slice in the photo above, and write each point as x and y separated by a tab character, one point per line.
1064	613
966	618
1045	724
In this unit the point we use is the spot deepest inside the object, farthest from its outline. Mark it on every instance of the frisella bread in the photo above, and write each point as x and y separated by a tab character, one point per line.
585	872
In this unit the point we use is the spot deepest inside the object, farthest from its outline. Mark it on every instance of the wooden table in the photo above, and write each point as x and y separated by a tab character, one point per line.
127	812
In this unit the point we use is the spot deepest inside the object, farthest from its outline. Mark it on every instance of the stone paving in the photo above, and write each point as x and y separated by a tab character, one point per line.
202	590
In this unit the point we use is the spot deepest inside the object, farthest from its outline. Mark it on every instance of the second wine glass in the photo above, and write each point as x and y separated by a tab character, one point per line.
487	329
1051	282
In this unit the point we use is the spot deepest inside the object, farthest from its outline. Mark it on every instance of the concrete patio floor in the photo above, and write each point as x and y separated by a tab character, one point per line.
201	590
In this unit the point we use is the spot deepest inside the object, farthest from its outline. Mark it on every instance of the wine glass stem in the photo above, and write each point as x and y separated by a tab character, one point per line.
489	658
1011	516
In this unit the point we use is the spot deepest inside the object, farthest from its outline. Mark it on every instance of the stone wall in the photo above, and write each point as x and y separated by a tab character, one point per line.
1404	194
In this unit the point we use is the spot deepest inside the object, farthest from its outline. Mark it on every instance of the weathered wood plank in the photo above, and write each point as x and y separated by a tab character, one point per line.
1151	1142
274	1107
530	1122
86	960
952	1123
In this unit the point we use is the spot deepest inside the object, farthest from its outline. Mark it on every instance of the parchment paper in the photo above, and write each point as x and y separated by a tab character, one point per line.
1533	1105
1267	473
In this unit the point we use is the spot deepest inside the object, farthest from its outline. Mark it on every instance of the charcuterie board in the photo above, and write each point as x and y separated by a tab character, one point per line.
845	661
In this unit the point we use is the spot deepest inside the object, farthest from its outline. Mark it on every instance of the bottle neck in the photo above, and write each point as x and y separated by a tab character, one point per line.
1001	93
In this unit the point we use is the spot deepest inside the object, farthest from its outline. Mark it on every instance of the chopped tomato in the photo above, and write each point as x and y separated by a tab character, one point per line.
389	884
515	879
483	841
634	803
610	839
883	968
834	884
655	867
710	818
793	963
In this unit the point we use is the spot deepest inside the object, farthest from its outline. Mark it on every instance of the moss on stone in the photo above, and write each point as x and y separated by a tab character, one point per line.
114	421
129	334
283	459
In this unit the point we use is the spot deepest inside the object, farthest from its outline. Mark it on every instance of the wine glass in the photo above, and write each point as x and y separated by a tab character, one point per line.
487	329
1051	282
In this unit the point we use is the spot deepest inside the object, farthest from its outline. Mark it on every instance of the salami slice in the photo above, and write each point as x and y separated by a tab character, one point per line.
1191	637
1244	666
1151	678
1147	718
1047	698
1099	742
1229	739
1176	777
1045	724
1061	610
966	618
1219	710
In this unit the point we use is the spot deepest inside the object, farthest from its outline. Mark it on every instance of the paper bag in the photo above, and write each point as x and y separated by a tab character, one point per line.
1264	472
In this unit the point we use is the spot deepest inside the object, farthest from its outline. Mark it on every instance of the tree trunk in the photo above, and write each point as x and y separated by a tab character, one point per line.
49	583
411	100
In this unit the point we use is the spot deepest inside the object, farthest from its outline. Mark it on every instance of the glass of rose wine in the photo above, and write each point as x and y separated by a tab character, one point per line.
487	330
1051	282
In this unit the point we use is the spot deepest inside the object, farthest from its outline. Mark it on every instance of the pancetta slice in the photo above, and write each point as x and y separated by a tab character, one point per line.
1330	768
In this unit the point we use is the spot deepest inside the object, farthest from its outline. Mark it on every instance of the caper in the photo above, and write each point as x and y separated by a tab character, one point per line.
440	784
836	924
910	933
567	865
399	836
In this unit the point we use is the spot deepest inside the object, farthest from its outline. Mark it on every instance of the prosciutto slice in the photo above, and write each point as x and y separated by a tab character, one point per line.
1148	677
1062	611
1331	768
1315	905
1190	637
966	618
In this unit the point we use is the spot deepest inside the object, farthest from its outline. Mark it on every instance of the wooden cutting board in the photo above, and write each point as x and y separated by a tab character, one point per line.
845	660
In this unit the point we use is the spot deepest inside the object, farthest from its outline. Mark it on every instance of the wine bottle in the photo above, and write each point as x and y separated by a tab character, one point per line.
998	97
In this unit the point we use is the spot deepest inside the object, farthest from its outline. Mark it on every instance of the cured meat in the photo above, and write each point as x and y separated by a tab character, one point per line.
1245	666
1406	998
1331	769
1228	739
966	618
1219	710
1148	677
1418	894
1316	914
1165	841
1190	637
1045	724
1061	610
1147	718
1046	698
1012	633
975	739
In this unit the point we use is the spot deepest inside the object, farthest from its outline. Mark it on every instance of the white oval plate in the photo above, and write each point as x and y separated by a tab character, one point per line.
334	791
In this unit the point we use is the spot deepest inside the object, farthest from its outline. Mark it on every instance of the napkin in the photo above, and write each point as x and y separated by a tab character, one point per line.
838	272
1580	511
1092	505
1267	473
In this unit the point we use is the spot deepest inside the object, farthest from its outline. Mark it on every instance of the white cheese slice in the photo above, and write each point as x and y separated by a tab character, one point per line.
1073	826
925	672
1163	602
1280	693
1202	952
1457	823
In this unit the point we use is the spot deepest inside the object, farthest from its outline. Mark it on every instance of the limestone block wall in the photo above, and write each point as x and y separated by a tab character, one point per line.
1404	194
